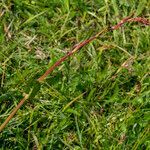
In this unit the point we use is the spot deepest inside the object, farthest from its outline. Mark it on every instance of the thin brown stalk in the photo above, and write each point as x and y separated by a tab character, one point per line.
123	21
14	112
74	50
143	21
140	20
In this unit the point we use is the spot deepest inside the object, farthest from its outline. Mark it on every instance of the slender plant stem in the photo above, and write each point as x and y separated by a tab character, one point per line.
14	112
74	50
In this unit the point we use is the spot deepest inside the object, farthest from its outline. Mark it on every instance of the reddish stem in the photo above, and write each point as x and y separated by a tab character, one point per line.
129	19
140	20
75	49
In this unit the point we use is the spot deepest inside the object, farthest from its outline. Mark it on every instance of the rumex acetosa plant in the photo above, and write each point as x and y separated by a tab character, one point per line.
36	83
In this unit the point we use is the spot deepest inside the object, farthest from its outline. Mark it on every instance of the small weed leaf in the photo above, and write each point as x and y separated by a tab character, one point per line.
5	97
9	96
35	89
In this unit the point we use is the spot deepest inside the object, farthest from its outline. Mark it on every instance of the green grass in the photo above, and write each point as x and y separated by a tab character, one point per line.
97	99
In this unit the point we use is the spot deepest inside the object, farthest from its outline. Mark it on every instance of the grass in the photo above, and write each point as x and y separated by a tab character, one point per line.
97	99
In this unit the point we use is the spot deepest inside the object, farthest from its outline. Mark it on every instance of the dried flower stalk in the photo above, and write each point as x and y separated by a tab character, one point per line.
74	50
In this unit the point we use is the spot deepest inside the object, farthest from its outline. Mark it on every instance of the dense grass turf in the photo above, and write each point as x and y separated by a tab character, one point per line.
97	99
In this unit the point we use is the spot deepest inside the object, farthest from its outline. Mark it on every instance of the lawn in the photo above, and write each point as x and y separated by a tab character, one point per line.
98	99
